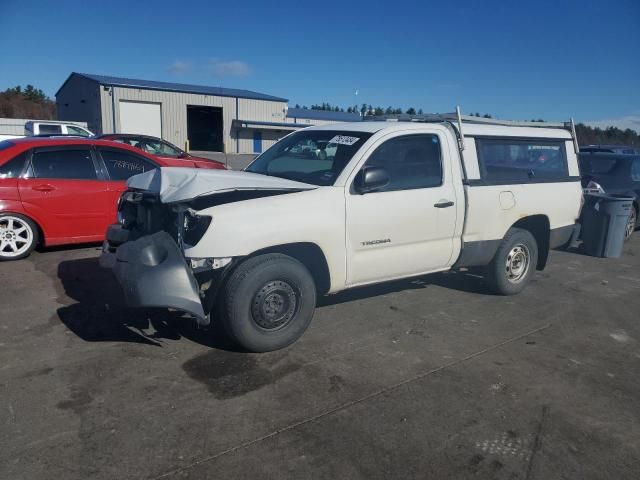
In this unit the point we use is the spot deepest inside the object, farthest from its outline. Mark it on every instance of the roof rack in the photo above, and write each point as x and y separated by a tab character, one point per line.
458	119
453	117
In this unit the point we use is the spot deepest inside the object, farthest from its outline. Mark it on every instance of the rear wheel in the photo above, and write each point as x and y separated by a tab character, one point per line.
514	264
269	302
18	236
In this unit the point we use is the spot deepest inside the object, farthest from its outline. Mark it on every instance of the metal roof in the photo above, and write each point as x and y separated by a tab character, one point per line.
322	115
174	87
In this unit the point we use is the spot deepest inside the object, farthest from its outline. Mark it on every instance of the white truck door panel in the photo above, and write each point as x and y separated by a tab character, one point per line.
409	228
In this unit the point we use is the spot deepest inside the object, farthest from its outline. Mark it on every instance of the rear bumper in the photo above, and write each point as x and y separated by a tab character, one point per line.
152	272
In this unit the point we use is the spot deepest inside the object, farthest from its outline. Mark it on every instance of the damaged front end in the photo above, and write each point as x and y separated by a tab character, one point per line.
145	249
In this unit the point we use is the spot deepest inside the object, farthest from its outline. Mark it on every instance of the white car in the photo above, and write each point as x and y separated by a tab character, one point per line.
253	249
55	128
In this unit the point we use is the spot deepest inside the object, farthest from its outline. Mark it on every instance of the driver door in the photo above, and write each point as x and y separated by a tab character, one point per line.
406	227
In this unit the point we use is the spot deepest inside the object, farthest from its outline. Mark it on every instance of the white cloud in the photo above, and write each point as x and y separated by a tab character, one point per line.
232	68
627	121
180	67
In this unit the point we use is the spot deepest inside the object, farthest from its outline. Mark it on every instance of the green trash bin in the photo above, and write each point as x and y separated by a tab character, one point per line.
604	220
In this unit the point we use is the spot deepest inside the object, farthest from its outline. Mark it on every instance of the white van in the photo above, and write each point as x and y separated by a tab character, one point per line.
390	200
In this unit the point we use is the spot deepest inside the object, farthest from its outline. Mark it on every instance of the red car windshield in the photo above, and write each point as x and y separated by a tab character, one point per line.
151	146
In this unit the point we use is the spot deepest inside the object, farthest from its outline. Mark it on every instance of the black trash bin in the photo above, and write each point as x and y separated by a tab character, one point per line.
604	220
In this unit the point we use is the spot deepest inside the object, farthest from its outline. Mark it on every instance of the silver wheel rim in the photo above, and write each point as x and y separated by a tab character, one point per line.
631	224
517	263
16	236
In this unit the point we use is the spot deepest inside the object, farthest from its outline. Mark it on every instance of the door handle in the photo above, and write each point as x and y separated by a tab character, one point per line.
43	188
444	204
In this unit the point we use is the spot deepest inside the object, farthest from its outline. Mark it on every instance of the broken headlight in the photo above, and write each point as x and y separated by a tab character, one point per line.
194	227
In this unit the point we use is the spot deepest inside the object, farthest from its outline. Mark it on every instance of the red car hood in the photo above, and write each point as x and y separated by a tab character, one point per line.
190	161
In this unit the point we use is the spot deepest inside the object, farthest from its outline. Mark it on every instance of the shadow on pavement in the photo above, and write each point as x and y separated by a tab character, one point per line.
100	314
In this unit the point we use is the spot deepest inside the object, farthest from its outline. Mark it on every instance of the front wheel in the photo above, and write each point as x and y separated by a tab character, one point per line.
18	236
269	302
514	264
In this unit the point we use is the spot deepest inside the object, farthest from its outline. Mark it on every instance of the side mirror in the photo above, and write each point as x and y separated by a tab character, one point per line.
370	179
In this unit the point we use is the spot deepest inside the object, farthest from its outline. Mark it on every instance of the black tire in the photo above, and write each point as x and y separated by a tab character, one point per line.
507	273
268	302
24	235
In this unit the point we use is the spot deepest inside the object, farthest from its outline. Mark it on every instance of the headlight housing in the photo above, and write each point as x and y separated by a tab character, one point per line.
194	227
593	187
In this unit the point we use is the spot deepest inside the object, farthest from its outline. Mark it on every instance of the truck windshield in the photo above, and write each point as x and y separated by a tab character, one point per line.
310	156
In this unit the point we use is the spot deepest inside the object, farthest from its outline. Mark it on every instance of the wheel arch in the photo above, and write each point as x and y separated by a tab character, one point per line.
540	228
41	234
307	253
310	255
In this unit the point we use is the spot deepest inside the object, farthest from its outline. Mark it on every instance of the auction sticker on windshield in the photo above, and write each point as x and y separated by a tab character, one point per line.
344	140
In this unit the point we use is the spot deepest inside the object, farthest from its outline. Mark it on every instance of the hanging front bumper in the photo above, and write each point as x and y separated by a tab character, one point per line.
152	272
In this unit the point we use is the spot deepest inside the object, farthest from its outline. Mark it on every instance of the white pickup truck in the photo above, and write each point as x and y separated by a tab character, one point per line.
389	200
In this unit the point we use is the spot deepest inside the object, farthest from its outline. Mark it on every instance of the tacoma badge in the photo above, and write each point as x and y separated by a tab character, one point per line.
375	242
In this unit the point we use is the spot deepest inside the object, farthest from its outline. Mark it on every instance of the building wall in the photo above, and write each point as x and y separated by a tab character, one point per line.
261	110
174	112
269	137
80	100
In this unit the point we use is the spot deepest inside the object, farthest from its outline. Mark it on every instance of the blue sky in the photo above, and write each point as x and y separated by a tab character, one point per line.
513	59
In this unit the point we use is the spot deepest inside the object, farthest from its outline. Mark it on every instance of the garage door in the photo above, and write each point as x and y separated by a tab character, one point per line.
140	117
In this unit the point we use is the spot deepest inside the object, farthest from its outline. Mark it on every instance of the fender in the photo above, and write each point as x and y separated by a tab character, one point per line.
15	206
308	217
32	213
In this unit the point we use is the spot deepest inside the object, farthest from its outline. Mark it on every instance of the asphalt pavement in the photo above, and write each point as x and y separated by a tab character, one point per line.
430	378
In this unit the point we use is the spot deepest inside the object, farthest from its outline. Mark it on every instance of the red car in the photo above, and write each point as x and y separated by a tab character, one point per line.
160	148
57	191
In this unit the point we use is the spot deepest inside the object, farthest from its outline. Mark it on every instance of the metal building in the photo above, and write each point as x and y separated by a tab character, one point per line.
210	118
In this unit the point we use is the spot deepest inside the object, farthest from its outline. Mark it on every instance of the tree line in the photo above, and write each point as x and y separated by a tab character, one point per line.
27	102
31	102
586	134
368	110
602	136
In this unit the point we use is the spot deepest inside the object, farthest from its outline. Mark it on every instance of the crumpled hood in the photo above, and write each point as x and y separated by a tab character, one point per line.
177	184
